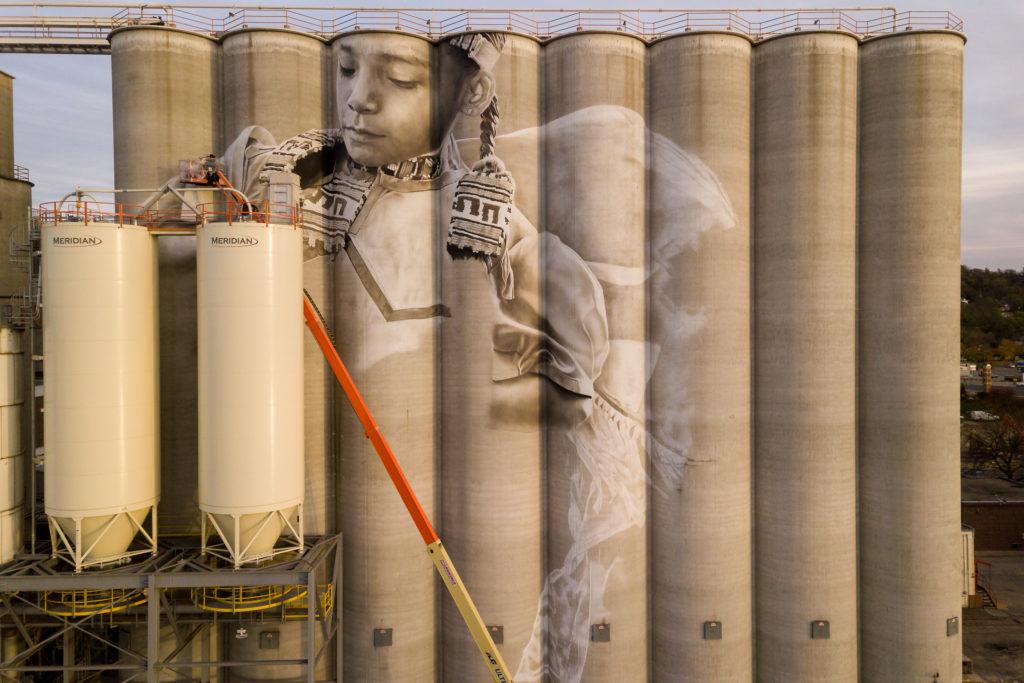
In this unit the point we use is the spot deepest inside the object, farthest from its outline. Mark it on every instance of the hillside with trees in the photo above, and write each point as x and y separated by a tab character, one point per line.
991	314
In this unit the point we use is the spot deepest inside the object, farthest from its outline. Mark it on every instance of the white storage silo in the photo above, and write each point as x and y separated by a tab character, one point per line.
101	402
12	451
251	472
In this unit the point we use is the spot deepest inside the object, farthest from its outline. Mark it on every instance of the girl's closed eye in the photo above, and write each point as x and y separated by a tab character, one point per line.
406	84
405	75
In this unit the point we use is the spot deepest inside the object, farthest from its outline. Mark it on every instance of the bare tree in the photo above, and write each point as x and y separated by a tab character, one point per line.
998	445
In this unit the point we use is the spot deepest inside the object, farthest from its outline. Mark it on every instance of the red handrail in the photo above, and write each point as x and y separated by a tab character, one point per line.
260	212
71	211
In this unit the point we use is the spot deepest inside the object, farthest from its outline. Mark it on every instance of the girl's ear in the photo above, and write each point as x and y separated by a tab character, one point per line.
478	93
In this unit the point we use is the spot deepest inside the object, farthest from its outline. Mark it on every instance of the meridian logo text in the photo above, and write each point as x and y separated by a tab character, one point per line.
76	241
233	241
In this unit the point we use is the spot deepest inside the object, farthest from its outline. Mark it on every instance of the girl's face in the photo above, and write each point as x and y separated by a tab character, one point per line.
391	103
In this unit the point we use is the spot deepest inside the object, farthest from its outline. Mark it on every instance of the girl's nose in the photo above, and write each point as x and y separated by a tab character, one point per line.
363	97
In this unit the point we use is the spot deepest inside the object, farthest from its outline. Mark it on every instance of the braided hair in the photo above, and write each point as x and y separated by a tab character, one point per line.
482	234
489	128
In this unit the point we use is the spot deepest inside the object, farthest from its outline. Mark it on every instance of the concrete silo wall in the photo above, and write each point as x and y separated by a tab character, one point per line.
166	91
585	408
280	80
699	326
386	284
277	78
595	178
500	560
908	246
805	168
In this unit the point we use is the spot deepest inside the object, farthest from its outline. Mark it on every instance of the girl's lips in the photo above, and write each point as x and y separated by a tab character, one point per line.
361	134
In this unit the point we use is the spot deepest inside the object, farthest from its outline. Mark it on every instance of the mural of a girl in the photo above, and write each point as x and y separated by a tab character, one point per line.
387	195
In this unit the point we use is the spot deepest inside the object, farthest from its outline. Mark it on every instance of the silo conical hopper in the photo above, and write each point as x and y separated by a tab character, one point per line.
100	400
251	473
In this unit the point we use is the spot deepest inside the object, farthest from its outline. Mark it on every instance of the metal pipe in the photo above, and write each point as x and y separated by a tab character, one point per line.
183	200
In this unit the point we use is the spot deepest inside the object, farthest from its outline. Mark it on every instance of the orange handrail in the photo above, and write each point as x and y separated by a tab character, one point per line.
262	212
69	211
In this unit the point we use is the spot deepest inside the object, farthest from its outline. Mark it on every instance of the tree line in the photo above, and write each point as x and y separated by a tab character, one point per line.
991	314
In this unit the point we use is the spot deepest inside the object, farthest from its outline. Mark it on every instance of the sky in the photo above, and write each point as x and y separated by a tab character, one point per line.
64	133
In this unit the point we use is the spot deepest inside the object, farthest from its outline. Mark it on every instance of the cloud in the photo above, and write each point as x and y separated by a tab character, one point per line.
63	122
993	172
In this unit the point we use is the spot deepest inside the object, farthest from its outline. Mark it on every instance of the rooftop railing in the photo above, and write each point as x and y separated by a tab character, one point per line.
180	219
45	21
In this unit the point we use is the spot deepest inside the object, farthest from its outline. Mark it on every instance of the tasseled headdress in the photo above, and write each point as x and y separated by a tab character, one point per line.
482	206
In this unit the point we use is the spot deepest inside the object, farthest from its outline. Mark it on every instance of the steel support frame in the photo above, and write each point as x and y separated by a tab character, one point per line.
70	550
22	583
239	555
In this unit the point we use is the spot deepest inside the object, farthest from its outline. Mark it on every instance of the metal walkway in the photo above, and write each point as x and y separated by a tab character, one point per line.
46	27
46	604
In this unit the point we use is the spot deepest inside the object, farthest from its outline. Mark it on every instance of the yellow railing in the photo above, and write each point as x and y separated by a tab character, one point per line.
88	602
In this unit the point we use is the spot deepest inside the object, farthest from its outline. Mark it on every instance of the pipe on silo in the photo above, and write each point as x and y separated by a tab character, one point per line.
699	327
804	230
909	289
166	105
491	441
281	80
596	590
392	357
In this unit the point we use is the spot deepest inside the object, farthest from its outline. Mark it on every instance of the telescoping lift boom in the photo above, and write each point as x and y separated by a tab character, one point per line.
435	549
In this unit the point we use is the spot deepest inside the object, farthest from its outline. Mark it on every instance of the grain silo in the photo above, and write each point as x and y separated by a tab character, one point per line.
166	92
604	389
805	145
596	467
390	347
699	324
476	498
281	81
908	293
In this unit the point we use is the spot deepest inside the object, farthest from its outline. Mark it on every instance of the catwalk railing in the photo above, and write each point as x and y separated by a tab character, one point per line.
45	27
42	603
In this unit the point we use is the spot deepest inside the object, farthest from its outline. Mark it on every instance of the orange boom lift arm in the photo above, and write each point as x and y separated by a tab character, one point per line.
435	549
